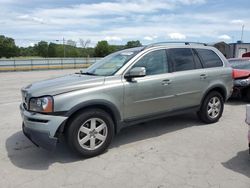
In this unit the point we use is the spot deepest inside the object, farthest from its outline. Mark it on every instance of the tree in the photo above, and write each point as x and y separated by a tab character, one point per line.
28	51
102	49
133	43
42	49
52	50
8	47
84	43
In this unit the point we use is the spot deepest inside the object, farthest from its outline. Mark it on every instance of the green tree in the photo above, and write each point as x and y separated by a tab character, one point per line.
42	49
8	47
102	49
28	51
52	50
133	43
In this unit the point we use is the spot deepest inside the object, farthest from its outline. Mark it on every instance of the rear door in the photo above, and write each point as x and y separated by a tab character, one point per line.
189	77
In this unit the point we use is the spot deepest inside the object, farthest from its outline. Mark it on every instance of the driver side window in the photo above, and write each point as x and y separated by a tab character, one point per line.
155	62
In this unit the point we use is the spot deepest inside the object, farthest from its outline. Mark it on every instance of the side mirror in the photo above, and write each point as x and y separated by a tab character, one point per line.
136	72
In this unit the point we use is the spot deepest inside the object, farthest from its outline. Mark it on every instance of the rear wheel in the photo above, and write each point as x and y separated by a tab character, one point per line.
90	132
211	108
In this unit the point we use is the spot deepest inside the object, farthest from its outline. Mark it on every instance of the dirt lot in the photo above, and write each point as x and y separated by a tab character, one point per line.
172	152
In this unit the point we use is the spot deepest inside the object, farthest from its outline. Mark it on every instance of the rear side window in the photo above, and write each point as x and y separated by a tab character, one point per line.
209	58
182	59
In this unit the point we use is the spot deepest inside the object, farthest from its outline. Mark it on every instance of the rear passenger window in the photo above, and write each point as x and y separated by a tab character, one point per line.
182	59
210	59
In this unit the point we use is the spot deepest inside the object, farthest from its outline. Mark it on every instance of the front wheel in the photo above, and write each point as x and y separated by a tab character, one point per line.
90	132
211	108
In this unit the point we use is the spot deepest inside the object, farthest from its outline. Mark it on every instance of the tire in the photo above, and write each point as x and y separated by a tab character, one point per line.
246	95
211	108
90	132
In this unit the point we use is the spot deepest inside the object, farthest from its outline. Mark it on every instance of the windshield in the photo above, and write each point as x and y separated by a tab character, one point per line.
110	64
240	64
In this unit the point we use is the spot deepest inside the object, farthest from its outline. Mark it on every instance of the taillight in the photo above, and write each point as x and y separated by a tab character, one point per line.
232	73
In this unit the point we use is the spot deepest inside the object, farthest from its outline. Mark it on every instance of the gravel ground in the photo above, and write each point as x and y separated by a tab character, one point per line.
171	152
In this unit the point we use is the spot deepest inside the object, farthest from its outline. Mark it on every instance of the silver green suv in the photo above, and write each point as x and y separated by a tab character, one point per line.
125	88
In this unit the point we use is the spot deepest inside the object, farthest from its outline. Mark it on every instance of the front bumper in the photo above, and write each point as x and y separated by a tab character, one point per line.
40	128
39	138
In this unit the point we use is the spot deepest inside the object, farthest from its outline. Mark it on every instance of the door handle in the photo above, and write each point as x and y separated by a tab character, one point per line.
166	82
203	76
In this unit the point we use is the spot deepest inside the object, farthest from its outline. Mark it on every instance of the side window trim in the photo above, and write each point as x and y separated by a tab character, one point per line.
194	51
170	62
201	59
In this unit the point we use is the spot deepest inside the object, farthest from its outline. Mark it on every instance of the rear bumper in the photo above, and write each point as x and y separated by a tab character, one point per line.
39	138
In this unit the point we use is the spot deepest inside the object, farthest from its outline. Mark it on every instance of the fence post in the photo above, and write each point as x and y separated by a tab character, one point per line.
47	62
61	63
74	63
14	65
31	64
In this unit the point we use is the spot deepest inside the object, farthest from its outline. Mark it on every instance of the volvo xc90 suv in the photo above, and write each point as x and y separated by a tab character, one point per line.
125	88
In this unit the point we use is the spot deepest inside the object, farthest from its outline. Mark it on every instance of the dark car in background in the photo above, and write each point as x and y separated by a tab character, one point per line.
241	75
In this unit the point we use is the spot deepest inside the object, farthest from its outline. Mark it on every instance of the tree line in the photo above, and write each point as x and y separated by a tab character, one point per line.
9	49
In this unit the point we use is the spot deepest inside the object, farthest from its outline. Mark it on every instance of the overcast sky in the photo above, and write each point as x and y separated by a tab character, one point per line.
28	21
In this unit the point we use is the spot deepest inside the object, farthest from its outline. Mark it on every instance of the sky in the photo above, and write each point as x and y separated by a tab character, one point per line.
119	21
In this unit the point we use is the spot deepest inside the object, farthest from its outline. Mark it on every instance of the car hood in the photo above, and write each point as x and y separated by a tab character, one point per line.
63	84
239	73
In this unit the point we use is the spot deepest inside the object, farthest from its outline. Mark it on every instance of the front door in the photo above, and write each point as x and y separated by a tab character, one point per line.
150	94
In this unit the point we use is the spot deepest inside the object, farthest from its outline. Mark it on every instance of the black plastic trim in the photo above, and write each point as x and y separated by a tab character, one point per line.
38	120
132	121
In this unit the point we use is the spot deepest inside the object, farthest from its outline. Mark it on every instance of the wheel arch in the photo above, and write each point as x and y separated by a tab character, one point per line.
107	106
219	88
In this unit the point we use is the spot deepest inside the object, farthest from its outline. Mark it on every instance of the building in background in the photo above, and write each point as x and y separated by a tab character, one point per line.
233	50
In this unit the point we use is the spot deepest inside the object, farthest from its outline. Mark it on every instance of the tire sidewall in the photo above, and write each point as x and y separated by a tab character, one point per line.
72	132
204	111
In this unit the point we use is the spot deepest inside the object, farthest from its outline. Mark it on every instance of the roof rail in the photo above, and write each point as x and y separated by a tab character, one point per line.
173	42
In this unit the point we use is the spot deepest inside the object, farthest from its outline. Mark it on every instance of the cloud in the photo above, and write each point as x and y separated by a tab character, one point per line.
27	17
150	38
177	36
224	37
237	21
121	20
113	38
189	2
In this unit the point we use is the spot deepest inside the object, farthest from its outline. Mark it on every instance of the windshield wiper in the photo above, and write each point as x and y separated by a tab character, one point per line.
86	73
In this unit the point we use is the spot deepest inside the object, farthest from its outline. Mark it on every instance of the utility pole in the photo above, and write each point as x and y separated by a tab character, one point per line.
242	32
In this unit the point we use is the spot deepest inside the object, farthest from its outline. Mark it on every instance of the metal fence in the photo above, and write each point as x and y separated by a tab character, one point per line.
45	63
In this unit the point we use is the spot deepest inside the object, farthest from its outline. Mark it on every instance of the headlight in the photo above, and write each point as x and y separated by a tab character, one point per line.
41	104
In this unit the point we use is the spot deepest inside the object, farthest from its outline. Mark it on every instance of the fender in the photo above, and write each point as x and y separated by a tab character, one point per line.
214	87
98	102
